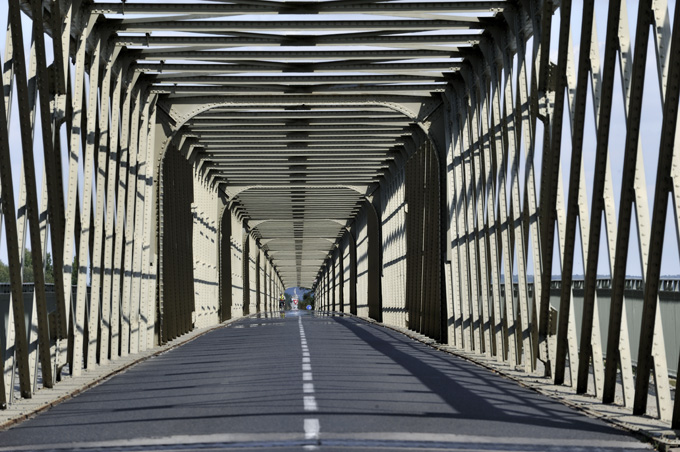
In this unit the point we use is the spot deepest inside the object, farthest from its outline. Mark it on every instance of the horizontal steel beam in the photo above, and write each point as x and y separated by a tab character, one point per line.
277	148
220	68
216	121
292	80
225	26
300	40
347	135
225	9
311	128
285	162
210	140
277	176
154	54
404	90
219	113
316	166
283	159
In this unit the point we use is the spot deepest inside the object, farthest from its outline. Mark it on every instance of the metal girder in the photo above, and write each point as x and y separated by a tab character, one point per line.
329	135
435	68
292	40
298	157
206	121
297	128
291	150
183	108
375	114
302	128
242	56
215	26
404	90
296	8
360	141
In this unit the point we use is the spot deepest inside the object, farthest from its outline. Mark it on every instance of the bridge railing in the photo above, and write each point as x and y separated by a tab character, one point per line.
669	305
7	362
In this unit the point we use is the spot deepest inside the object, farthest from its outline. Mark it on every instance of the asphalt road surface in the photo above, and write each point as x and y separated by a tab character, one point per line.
311	382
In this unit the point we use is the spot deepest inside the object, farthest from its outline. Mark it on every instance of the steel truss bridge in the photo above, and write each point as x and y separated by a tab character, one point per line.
428	164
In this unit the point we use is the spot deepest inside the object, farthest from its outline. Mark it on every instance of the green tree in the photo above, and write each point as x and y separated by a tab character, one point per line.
49	269
74	271
28	269
4	272
308	299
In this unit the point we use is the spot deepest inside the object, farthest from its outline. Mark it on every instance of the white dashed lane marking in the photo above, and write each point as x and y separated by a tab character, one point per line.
311	426
312	429
308	388
310	403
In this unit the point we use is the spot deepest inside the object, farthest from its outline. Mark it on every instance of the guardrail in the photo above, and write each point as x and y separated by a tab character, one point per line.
669	305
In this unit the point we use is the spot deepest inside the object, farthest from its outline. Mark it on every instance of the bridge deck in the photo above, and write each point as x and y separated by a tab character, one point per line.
311	381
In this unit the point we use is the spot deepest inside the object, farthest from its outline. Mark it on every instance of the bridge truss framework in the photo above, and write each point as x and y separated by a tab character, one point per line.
428	164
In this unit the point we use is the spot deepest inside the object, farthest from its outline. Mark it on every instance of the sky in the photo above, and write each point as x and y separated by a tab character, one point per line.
650	136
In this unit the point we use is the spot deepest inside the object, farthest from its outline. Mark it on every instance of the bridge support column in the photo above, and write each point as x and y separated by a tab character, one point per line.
176	262
326	293
394	269
273	296
327	286
226	296
264	302
258	280
238	253
423	264
340	283
369	300
351	258
251	263
206	213
333	275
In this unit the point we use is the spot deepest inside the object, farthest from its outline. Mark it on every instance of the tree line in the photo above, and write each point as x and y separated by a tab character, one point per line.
28	269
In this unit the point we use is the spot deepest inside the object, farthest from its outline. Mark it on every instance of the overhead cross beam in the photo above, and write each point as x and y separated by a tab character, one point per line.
298	7
307	95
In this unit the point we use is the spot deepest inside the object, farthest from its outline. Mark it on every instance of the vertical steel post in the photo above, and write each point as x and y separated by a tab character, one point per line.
16	326
661	192
573	198
626	199
598	199
26	119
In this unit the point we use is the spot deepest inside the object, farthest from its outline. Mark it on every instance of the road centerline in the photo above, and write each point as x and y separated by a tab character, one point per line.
311	426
